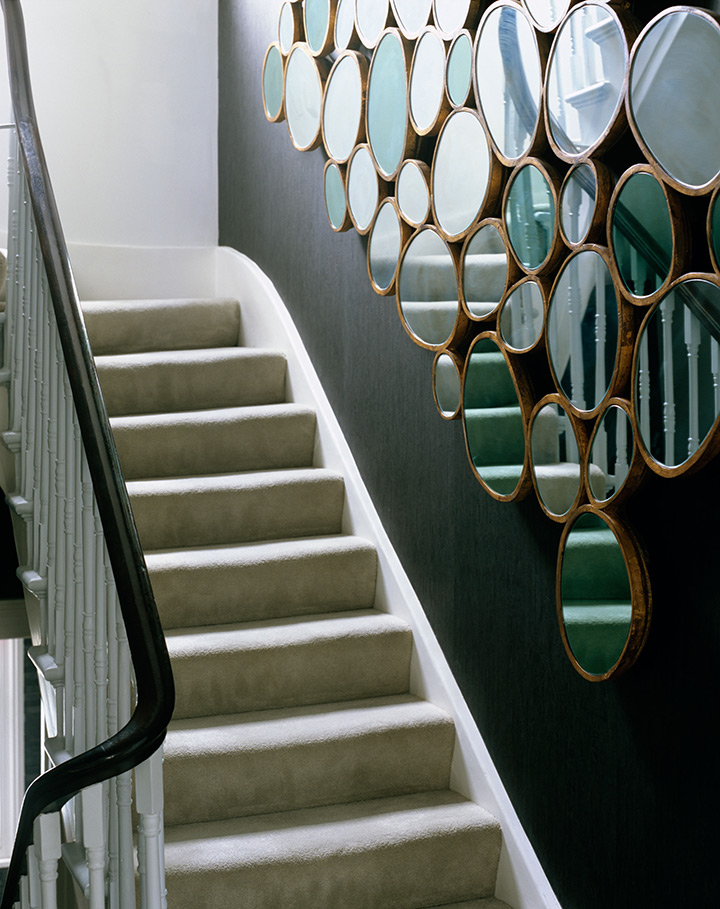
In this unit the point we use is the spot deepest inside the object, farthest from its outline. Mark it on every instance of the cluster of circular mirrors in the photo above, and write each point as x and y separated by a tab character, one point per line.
573	308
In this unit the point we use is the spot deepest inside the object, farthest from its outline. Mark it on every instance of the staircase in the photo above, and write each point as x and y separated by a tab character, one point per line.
299	769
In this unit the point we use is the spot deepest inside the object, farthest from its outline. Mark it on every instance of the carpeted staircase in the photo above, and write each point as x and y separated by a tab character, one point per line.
299	770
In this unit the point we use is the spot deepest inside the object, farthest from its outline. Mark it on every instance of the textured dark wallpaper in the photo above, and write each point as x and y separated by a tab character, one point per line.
615	783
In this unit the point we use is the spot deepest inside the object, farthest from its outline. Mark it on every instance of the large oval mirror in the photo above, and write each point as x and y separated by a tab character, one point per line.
676	392
384	246
386	110
345	35
411	15
494	420
586	80
673	99
342	114
447	385
508	79
464	179
555	438
458	74
363	189
427	83
611	455
452	15
318	26
427	289
522	316
371	19
303	98
583	331
603	595
484	270
530	217
413	192
273	83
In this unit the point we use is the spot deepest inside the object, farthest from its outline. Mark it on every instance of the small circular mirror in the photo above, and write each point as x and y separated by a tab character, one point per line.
611	453
582	331
289	26
387	115
578	201
484	270
673	100
522	315
384	245
641	234
547	14
447	385
272	84
411	15
345	25
303	98
428	289
413	194
585	80
603	595
318	33
363	189
427	83
371	19
676	393
342	114
530	217
463	174
451	15
555	457
458	76
508	78
335	201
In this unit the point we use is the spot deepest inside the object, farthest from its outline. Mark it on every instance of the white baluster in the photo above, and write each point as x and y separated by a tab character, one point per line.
88	545
692	343
47	846
575	318
93	824
644	389
101	629
715	370
149	794
34	894
667	314
601	382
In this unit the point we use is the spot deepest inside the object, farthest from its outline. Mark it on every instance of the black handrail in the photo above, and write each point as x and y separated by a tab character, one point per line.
145	731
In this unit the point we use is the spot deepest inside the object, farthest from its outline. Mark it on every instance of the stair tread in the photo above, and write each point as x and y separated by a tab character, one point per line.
159	487
489	902
210	416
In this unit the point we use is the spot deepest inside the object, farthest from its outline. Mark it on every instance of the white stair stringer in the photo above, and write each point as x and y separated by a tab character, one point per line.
366	729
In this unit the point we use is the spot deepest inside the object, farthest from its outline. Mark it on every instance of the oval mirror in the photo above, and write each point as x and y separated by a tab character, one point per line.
427	83
673	101
458	76
494	421
427	289
484	270
451	15
586	80
386	109
413	193
582	331
578	203
273	83
303	98
447	385
289	26
345	36
508	79
411	15
603	595
342	113
371	19
335	200
611	453
547	14
676	392
522	315
530	217
555	457
363	189
464	180
641	234
318	32
384	245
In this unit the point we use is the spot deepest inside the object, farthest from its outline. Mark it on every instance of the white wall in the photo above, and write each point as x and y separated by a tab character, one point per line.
126	97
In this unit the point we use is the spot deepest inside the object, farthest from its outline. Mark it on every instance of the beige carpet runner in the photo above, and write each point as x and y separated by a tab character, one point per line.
299	771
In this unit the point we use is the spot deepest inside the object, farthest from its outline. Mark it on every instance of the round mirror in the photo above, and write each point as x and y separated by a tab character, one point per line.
530	217
463	174
547	14
484	270
318	33
371	18
578	201
493	421
641	234
428	289
342	119
335	201
522	315
384	247
714	230
508	79
387	116
363	189
582	330
411	15
458	76
413	195
676	393
555	457
603	600
344	25
272	84
585	80
673	100
303	98
447	386
289	26
612	449
427	82
451	15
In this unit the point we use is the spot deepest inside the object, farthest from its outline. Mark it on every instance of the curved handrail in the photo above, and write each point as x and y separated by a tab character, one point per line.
154	687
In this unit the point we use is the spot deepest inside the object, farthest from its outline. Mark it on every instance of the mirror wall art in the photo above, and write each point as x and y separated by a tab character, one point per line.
539	184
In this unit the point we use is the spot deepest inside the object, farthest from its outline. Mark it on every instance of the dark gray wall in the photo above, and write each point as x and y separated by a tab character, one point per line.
615	783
